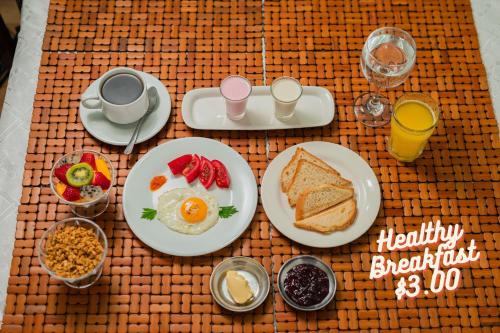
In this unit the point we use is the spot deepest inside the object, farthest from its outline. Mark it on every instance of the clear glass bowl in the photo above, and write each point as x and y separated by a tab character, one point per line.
92	276
91	208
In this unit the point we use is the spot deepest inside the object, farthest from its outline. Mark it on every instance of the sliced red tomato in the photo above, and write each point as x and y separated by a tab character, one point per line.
221	175
192	169
207	173
178	165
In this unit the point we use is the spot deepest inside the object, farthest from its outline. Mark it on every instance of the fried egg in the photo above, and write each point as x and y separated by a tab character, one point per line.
189	211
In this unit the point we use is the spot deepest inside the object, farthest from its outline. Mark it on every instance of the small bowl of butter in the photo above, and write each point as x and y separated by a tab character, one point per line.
239	284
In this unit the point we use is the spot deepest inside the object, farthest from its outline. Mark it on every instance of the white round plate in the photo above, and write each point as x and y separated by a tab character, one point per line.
242	194
104	130
351	166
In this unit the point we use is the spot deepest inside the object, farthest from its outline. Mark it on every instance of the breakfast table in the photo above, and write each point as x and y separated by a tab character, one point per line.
64	46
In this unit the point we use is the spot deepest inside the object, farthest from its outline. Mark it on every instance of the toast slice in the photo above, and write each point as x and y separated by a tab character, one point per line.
289	170
336	218
317	199
309	175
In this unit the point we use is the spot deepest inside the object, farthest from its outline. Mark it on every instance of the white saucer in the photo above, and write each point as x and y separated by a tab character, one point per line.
102	129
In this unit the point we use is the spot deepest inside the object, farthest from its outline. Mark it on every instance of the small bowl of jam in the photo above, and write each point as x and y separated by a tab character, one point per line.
306	283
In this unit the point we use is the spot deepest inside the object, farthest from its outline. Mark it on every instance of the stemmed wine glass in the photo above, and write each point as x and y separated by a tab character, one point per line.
387	59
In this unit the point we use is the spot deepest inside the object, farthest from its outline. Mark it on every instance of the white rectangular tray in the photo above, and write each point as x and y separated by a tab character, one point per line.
205	108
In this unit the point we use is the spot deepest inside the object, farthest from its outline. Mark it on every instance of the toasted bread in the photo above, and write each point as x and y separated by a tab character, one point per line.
336	218
309	175
289	170
317	199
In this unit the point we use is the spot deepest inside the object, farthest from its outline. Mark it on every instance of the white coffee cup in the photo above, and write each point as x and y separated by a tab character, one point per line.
125	113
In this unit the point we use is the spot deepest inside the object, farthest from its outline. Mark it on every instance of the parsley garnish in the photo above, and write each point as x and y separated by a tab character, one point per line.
148	213
227	211
224	212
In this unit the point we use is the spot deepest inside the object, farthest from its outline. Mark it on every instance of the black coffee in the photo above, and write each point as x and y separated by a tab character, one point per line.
122	89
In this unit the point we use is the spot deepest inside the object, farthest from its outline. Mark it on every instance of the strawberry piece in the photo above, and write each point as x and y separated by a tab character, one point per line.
89	159
101	180
60	172
71	193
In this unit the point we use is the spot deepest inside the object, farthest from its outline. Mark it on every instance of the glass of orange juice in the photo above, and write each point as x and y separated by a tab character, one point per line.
413	120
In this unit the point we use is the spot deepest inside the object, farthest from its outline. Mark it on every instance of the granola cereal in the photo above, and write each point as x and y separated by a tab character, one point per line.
73	251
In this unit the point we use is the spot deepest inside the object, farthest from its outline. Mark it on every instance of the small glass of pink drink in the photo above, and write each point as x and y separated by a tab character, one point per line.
235	89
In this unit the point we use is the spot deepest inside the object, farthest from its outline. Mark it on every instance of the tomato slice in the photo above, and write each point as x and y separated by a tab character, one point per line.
192	169
178	165
207	173
221	175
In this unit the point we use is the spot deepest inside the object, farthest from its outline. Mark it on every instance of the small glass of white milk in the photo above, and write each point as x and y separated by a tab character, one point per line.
286	92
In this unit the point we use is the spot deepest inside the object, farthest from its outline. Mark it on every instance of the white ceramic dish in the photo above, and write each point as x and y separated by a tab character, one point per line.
204	108
115	134
351	166
136	195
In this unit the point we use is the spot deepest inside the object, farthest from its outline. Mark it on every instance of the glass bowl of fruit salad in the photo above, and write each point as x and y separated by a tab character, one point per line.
83	179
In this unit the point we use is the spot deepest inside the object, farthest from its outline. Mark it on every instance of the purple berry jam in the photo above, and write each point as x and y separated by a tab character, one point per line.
306	284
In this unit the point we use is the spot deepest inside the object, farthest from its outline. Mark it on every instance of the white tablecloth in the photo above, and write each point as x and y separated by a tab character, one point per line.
16	114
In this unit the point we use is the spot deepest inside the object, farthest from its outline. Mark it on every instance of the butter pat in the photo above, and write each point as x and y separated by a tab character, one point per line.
238	287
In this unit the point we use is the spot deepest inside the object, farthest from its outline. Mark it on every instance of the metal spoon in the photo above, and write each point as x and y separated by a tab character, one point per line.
153	102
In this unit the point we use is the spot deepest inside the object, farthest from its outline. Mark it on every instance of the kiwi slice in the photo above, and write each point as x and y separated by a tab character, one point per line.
80	174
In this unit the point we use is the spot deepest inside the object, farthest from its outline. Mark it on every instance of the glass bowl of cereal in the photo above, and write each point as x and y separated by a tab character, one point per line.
73	251
83	179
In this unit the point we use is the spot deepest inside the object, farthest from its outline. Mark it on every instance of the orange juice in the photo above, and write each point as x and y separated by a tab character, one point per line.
413	121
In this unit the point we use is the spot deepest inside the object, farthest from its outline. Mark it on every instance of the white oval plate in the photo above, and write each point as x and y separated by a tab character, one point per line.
204	108
136	195
104	130
351	166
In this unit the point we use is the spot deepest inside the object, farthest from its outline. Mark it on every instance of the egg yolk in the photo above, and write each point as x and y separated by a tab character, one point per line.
193	210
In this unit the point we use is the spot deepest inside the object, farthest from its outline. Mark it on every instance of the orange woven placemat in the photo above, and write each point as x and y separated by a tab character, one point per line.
192	44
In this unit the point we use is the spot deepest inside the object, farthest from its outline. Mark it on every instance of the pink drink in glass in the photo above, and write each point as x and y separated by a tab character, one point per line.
235	89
